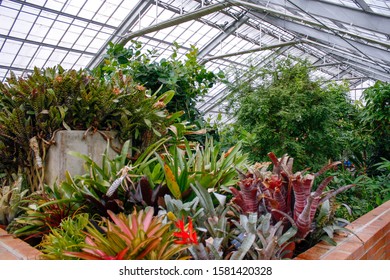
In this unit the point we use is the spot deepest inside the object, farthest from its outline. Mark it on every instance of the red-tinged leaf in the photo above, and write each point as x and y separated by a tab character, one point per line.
121	224
151	246
327	167
122	254
134	225
323	185
274	159
336	192
148	219
82	255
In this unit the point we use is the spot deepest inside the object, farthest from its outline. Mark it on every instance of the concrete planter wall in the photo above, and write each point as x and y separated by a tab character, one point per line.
58	161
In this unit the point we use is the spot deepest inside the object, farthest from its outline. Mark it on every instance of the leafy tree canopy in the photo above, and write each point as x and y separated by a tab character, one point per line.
283	110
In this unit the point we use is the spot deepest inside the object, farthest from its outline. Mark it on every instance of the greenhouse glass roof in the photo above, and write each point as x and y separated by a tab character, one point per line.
345	39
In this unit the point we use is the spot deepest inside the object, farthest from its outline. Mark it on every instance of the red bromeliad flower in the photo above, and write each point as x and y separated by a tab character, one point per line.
185	236
275	182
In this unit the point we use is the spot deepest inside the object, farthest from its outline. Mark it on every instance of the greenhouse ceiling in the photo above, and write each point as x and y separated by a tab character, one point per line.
345	39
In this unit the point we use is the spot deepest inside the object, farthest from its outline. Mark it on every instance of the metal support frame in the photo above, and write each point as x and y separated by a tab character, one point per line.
177	20
221	95
325	37
363	5
26	41
332	11
205	60
45	9
222	36
116	37
345	55
265	12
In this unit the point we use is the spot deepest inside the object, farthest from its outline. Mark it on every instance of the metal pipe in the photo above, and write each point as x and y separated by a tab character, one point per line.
311	42
177	20
205	60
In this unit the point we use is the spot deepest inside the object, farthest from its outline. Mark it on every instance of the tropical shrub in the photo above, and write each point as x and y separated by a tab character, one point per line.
11	198
35	107
282	109
370	191
370	140
206	164
189	79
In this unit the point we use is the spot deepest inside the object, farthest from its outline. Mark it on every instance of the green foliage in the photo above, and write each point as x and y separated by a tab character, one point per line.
284	193
11	198
227	234
184	165
116	184
69	236
372	129
43	211
283	110
370	191
189	79
35	107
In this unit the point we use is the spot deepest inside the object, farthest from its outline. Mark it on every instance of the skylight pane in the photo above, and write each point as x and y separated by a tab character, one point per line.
7	18
73	7
71	36
23	58
40	29
8	51
55	4
56	32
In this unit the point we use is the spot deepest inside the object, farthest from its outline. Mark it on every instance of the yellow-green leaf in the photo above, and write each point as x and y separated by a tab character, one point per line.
171	182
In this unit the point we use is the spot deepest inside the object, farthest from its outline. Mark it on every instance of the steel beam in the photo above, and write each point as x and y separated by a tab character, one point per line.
26	41
222	36
345	54
332	11
35	6
322	36
363	5
124	27
205	60
177	20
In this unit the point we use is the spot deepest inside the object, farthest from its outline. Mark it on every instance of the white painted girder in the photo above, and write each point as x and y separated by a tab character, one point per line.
347	15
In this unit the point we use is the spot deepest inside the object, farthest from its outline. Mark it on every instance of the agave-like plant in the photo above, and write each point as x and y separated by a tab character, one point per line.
138	236
183	165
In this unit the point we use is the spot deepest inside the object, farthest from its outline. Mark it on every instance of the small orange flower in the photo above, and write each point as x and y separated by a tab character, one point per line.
59	79
141	88
159	105
185	236
116	91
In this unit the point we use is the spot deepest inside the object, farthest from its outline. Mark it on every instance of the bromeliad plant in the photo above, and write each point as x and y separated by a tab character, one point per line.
282	191
219	232
138	236
184	165
11	198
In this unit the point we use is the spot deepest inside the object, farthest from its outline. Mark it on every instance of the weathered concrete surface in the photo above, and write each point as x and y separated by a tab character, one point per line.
58	161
